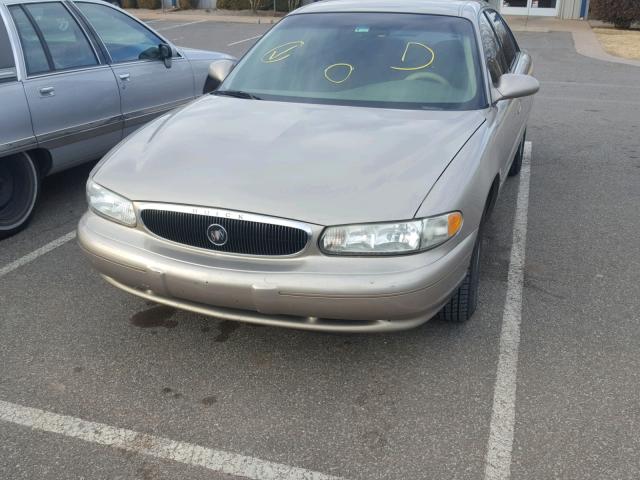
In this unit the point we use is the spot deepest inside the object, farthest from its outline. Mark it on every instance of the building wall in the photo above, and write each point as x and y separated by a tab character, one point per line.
568	9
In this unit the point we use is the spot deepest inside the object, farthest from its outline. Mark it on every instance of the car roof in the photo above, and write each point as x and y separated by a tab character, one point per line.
458	8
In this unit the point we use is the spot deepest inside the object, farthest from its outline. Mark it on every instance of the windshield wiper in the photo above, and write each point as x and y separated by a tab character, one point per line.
237	94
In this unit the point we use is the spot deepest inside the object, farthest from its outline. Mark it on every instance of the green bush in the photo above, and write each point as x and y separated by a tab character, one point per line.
188	4
281	5
150	4
622	13
129	4
234	4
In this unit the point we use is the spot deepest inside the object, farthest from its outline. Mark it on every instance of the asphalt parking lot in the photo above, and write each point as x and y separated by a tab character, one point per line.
548	390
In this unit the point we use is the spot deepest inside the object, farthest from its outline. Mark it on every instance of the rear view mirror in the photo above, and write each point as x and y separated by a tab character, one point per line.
165	54
513	85
218	71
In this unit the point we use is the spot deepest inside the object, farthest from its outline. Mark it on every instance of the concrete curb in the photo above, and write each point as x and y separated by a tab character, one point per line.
194	16
587	44
584	38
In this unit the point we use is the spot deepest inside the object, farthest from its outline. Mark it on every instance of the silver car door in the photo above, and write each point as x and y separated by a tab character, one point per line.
510	51
504	112
73	99
148	88
16	133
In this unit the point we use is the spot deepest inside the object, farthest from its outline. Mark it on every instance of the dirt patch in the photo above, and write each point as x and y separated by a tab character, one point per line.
621	43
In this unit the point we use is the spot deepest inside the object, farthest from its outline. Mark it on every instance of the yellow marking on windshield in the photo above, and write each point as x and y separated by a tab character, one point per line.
350	68
281	52
404	57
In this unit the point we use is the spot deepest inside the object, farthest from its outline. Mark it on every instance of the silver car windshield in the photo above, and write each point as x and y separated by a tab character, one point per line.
408	61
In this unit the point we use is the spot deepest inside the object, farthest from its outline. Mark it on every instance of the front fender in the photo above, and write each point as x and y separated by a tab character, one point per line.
465	183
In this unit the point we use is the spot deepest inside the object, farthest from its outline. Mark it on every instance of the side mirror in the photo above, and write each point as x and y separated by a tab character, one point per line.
513	85
218	71
165	54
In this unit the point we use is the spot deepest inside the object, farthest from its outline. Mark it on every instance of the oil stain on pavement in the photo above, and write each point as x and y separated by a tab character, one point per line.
226	328
158	316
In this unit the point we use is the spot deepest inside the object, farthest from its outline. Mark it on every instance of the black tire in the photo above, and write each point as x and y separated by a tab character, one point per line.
517	161
463	304
19	190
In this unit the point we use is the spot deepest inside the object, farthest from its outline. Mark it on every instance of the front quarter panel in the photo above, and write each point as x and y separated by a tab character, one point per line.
465	184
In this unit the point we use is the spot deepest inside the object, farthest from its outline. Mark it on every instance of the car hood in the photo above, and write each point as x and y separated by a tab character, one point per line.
319	164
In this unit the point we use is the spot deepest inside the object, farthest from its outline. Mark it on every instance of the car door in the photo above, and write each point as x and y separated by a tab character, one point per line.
512	56
16	133
505	112
73	98
148	88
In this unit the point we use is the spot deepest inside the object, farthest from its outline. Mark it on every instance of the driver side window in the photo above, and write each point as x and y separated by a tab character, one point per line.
125	39
493	54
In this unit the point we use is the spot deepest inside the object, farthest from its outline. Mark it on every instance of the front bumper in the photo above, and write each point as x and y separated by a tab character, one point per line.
311	291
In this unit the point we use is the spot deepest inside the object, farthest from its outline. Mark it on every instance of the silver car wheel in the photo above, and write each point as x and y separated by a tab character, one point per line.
19	188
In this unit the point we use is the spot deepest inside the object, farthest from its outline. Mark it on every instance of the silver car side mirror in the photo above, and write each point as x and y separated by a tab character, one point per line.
166	54
220	69
514	85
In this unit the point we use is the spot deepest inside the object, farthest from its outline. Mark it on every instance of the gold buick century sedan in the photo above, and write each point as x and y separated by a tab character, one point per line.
338	178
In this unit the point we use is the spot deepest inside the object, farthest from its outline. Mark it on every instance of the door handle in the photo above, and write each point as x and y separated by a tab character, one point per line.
125	77
47	92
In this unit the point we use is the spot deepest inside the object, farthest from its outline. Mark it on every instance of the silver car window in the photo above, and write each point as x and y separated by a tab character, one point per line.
509	45
125	39
495	59
7	61
33	51
64	40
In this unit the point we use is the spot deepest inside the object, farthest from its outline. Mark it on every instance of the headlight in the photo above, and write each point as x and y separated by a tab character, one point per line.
108	204
391	238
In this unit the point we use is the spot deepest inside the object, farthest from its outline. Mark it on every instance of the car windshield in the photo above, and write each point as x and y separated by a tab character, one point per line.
407	61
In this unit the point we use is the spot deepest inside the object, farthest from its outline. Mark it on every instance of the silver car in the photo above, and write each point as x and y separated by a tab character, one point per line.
75	78
339	179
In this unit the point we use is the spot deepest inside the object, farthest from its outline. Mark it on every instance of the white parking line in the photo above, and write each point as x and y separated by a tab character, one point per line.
37	253
243	41
498	460
180	26
159	447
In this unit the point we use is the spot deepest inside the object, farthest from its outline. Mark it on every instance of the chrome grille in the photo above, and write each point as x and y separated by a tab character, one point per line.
243	236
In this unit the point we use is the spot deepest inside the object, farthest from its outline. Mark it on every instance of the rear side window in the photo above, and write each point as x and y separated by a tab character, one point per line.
34	55
6	54
63	37
493	54
509	45
125	39
51	38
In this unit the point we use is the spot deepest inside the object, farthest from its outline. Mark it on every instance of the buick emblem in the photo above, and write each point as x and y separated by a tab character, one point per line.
217	235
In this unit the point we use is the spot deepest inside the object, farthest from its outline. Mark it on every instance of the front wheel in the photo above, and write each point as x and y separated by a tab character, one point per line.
19	189
463	304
